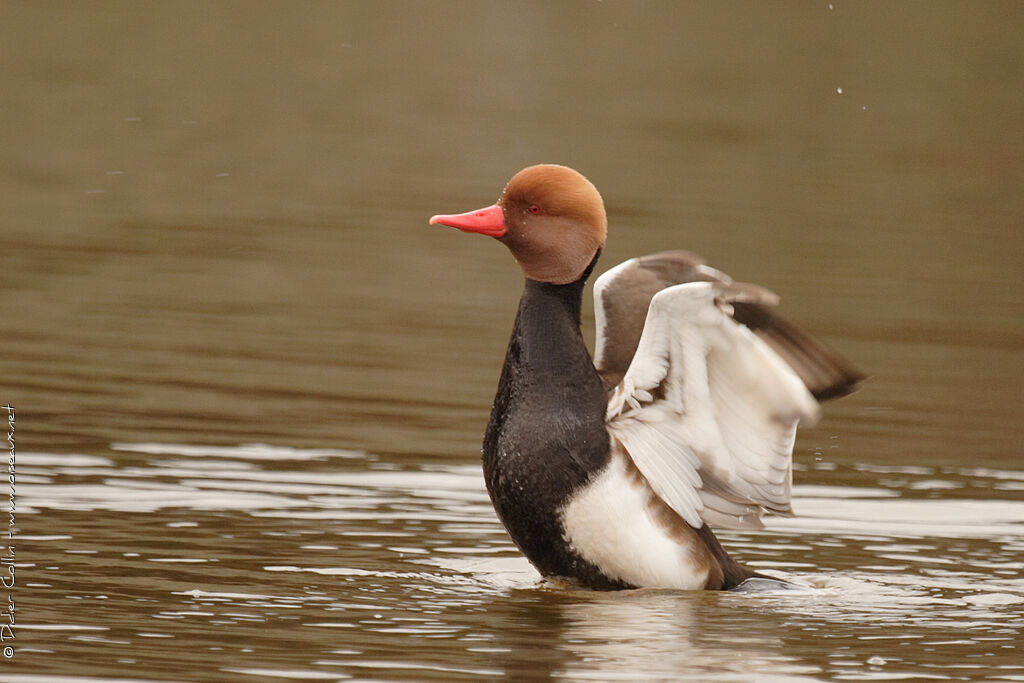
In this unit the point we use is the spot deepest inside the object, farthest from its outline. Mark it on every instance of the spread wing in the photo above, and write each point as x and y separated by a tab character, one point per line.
705	405
708	412
622	296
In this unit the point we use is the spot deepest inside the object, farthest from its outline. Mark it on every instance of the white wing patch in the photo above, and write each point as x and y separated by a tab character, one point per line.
708	412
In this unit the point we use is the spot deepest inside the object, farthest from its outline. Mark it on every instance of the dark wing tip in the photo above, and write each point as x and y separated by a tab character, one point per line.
824	371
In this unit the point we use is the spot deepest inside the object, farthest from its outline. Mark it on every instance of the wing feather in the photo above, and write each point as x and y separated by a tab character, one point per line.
622	296
708	411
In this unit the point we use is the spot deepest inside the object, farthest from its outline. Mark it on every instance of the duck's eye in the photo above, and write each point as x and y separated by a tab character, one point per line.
534	209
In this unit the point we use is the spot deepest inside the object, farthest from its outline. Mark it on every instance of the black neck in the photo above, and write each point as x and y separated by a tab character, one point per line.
550	398
546	436
550	315
547	330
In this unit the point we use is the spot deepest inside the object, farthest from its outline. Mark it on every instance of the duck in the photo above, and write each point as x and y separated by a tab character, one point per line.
609	471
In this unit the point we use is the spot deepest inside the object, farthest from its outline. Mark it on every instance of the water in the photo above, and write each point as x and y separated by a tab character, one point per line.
251	383
325	564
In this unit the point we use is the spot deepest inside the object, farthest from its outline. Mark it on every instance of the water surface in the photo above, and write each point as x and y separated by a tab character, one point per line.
251	382
321	563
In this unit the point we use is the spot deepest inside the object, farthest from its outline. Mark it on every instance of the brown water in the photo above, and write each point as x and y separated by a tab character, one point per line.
250	382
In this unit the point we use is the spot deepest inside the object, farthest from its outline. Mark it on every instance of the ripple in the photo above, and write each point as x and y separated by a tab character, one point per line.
246	451
350	556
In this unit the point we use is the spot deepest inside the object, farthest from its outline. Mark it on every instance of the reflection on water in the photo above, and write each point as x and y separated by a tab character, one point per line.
321	563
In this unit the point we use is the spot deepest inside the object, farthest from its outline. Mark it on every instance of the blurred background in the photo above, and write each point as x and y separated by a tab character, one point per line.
213	232
214	224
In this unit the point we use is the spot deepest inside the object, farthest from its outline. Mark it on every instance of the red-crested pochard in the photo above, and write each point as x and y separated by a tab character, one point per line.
608	473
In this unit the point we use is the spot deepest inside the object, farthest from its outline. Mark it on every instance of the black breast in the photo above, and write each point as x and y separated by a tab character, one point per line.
546	436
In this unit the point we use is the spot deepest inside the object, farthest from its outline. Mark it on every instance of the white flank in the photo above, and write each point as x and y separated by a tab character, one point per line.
608	524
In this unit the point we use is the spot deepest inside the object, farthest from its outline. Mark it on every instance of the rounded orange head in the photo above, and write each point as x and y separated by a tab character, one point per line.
550	217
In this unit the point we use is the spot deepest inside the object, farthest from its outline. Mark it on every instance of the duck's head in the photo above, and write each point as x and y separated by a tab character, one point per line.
550	217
